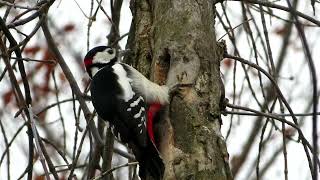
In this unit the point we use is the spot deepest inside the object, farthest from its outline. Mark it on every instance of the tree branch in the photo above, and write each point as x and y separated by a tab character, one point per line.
276	6
73	83
314	85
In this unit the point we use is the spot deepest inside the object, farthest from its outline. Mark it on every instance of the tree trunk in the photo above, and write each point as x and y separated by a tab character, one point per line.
174	42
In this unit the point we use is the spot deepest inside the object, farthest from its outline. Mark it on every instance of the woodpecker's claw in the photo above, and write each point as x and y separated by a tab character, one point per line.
178	87
124	52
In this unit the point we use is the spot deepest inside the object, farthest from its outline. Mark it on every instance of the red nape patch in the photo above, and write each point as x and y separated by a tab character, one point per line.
152	111
87	61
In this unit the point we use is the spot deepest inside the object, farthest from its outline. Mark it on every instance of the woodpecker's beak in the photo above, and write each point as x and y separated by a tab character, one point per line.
124	52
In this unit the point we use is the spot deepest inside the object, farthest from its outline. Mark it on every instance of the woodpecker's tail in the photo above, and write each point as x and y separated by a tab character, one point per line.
151	163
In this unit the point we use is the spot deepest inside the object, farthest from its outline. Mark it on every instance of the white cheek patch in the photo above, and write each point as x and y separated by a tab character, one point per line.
103	57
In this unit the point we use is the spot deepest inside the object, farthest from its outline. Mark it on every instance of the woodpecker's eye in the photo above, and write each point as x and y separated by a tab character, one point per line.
110	51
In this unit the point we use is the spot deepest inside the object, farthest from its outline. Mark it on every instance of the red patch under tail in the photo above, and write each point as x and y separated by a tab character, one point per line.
152	111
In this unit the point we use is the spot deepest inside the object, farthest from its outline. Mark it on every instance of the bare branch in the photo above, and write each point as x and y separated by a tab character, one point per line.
38	148
113	169
72	81
314	84
272	5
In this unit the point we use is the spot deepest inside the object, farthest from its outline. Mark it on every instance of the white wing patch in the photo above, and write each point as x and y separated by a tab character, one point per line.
151	91
136	102
124	82
139	113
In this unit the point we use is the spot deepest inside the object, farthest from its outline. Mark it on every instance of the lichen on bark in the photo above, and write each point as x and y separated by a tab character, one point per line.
180	42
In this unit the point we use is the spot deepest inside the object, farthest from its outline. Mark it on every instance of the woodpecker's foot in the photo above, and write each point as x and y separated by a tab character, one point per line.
124	52
178	87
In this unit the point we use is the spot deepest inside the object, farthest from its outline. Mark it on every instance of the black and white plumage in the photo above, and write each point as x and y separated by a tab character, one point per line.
120	94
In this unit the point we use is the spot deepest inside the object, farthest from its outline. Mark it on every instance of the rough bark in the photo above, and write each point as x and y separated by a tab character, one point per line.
174	42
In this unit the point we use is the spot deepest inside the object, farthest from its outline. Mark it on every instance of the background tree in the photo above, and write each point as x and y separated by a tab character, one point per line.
267	51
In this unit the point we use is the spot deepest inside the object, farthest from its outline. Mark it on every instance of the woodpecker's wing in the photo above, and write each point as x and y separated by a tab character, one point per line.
133	114
127	118
151	92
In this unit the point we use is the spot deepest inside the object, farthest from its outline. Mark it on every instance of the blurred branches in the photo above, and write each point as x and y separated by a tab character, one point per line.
24	15
272	96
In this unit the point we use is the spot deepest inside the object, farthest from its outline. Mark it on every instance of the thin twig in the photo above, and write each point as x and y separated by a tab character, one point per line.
255	51
36	60
17	51
258	123
124	154
305	142
76	122
81	9
233	28
22	104
75	160
260	148
90	21
314	89
285	153
67	169
15	5
48	159
73	83
276	6
261	142
38	148
113	169
270	78
6	145
10	143
275	114
234	70
60	113
62	154
59	102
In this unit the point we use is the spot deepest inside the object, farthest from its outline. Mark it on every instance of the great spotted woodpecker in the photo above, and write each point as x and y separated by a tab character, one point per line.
120	94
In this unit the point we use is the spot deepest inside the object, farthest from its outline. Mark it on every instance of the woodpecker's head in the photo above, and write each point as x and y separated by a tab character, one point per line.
99	57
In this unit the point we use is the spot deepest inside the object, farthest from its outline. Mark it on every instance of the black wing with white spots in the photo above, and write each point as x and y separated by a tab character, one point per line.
127	118
133	113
